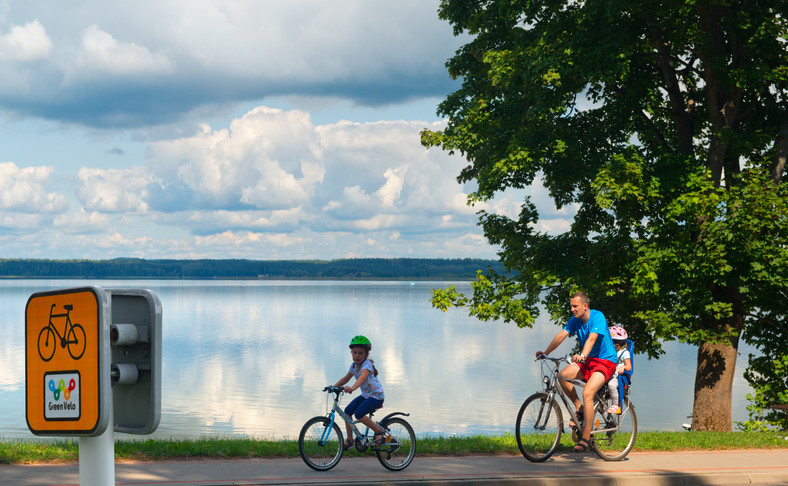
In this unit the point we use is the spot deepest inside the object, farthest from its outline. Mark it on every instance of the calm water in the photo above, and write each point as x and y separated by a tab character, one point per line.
250	357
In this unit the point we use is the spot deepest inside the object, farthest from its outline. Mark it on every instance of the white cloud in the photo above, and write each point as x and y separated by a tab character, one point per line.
390	191
16	222
248	239
22	190
100	54
114	190
273	169
278	189
82	222
267	159
308	40
204	222
118	240
25	43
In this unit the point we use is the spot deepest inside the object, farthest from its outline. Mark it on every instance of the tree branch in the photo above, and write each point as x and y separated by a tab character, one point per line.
780	152
682	111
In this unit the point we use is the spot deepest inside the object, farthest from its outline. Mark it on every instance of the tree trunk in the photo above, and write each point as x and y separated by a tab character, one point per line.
714	386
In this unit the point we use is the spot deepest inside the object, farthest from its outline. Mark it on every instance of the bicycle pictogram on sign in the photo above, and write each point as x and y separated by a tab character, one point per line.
73	337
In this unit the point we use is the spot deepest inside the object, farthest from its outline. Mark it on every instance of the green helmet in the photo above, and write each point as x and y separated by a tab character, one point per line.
360	341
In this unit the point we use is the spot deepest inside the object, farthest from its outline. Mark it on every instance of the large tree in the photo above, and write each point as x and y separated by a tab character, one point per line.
664	125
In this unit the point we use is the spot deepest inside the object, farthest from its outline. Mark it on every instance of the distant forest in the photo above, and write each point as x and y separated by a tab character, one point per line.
360	268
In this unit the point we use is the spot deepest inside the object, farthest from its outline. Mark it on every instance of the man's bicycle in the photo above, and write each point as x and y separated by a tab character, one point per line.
321	444
73	337
540	421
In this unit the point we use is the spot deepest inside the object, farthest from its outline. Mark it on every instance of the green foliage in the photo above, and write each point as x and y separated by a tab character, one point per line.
663	126
768	375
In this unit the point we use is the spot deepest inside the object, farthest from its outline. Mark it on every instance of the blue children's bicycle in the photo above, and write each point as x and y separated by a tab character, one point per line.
321	443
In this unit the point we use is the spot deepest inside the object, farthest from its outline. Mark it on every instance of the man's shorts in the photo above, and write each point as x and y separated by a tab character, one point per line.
607	368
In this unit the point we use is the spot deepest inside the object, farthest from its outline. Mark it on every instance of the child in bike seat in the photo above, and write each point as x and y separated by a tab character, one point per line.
371	397
624	363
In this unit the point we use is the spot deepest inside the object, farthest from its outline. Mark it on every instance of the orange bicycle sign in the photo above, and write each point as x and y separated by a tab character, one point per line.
66	354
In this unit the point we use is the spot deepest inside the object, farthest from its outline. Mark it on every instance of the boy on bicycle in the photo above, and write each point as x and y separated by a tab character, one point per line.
595	364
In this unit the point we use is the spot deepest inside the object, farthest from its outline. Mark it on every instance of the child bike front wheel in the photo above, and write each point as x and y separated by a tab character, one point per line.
320	443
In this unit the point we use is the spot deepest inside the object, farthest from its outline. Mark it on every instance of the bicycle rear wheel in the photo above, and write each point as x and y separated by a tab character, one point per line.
46	343
539	426
399	450
320	444
614	445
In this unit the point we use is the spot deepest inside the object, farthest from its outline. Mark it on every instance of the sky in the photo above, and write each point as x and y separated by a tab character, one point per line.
276	129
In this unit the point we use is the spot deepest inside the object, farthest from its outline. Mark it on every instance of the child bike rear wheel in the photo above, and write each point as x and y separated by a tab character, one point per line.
397	451
320	444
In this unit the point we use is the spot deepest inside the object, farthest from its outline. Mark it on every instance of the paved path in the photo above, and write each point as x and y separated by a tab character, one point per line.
767	467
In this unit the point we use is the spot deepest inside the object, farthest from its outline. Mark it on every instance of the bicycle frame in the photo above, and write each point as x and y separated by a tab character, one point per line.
332	417
553	386
362	438
67	315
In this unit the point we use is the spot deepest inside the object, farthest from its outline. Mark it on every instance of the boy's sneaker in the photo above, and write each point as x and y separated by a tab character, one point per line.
614	409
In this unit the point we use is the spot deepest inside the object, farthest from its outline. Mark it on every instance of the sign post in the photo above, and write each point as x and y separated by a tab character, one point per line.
97	458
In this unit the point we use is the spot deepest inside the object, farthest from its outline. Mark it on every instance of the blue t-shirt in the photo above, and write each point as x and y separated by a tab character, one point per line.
603	347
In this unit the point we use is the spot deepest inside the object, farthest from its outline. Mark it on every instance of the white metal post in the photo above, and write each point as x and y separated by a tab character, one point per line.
97	456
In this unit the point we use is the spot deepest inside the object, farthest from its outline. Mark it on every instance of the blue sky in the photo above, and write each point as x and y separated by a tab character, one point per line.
230	129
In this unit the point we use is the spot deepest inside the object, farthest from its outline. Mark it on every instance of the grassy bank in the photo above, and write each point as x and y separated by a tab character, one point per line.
23	452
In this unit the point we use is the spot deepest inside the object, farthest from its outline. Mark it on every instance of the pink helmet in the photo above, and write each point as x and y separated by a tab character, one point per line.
618	333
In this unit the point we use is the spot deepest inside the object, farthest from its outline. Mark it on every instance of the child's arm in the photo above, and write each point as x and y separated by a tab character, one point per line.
627	366
361	379
344	379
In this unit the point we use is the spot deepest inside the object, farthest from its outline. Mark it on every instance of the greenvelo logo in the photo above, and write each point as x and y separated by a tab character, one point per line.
62	396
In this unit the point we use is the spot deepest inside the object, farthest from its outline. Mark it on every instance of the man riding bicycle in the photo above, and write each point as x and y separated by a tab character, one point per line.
595	364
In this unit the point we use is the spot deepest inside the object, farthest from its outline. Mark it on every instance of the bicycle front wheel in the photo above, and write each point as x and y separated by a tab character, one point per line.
538	428
619	432
320	444
76	341
399	448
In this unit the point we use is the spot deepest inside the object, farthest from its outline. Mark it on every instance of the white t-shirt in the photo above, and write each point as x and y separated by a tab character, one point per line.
621	356
371	386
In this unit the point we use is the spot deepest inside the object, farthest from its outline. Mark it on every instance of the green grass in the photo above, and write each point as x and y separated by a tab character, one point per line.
58	451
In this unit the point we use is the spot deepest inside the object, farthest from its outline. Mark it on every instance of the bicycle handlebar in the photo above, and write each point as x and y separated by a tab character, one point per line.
334	389
567	358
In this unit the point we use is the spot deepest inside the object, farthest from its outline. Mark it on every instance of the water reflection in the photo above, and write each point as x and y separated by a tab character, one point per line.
250	357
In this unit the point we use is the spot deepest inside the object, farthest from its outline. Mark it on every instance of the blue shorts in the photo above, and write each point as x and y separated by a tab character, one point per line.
362	406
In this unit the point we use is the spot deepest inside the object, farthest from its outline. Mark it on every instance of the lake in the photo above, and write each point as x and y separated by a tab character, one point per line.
251	358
